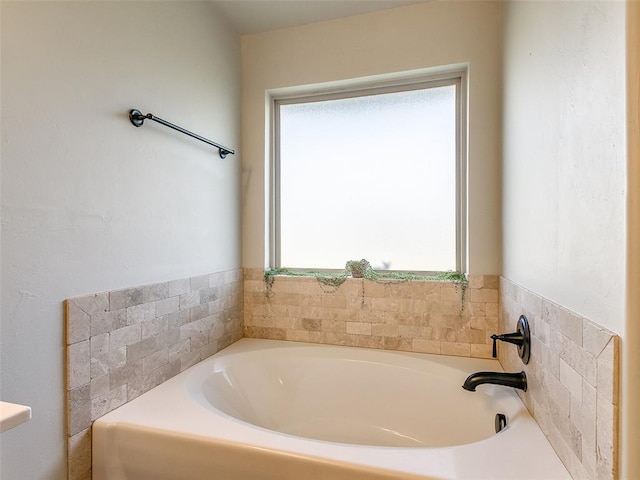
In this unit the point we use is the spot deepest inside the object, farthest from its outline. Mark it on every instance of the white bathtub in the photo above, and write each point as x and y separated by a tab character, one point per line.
264	409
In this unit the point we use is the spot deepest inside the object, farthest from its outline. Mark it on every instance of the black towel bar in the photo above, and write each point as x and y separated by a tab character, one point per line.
137	119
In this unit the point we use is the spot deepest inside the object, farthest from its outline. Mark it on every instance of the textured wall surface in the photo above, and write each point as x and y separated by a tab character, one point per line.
91	203
382	45
121	344
563	174
415	316
573	379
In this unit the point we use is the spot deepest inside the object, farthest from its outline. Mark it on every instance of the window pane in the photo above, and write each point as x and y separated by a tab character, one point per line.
370	177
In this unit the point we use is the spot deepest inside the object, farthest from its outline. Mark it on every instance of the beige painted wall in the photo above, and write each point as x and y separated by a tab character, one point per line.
404	39
91	203
565	155
565	143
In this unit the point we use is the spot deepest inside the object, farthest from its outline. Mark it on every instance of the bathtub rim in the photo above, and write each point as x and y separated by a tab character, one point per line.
414	363
155	409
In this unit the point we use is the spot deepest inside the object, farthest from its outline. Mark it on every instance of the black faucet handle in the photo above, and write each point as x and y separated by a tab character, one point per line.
521	338
516	338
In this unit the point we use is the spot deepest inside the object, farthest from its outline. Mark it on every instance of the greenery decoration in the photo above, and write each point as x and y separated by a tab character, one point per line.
362	269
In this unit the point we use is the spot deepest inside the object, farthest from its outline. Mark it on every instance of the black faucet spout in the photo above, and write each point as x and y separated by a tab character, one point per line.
515	380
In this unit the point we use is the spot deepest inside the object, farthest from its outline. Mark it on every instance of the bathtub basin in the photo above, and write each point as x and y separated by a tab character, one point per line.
264	409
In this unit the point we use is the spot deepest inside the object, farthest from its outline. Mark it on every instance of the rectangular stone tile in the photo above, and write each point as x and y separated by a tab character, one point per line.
570	325
606	438
218	331
472	336
188	300
104	322
99	344
542	331
99	385
154	292
450	293
530	304
607	378
549	361
168	338
559	397
560	345
200	340
167	306
333	301
414	331
78	364
491	309
217	279
311	324
209	294
94	303
584	363
189	360
178	287
155	360
154	378
79	454
483	295
192	328
384	330
336	326
481	351
595	338
484	323
141	349
445	308
177	351
477	309
475	280
124	374
127	297
456	349
139	313
585	421
551	314
426	346
78	323
177	319
105	403
105	362
358	328
79	403
125	336
199	282
412	306
153	327
572	380
198	311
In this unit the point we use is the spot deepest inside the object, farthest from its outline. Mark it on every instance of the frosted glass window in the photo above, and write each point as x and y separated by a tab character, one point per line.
372	176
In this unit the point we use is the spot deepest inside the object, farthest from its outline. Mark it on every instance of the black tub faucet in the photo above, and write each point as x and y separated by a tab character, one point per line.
515	380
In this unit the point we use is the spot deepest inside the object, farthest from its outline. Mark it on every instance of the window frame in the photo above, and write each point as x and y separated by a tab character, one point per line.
456	77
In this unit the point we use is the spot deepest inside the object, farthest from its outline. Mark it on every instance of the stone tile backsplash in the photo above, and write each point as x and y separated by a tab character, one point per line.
416	316
122	343
573	380
573	373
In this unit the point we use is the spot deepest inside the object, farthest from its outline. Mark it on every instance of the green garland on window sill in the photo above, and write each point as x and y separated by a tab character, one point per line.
362	269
